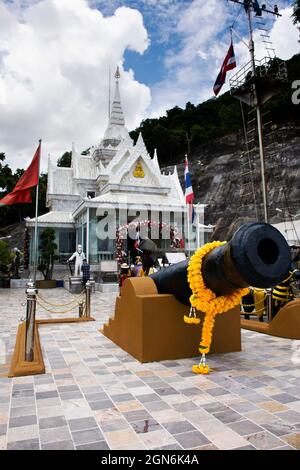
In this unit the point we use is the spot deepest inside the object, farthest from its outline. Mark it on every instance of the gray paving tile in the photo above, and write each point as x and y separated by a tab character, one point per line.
82	423
22	421
177	427
192	439
61	433
166	391
52	422
279	428
227	417
158	405
101	405
62	445
46	395
138	415
218	391
30	444
290	417
284	398
215	407
185	407
86	437
71	395
101	445
245	448
245	427
243	407
68	388
3	429
264	440
148	397
170	447
96	396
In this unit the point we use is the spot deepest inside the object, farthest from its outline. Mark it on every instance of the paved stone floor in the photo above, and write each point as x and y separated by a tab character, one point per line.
96	396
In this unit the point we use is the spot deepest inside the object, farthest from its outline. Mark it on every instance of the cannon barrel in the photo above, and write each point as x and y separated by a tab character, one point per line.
257	255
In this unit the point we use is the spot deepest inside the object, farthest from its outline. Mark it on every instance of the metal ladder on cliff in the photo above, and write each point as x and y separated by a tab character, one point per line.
248	196
265	37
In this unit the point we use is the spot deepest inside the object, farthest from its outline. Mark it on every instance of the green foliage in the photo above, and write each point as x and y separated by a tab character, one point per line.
296	14
5	258
210	120
16	213
47	253
65	160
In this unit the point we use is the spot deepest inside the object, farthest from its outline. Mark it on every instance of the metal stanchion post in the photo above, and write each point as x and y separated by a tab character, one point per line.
80	305
269	305
31	293
88	299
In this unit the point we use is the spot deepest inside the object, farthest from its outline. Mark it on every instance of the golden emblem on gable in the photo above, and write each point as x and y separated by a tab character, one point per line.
139	172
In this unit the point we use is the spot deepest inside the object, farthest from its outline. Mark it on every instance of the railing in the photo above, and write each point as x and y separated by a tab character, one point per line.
263	68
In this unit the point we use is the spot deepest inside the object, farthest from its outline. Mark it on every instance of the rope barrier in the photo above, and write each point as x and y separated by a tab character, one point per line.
56	312
255	312
73	301
253	305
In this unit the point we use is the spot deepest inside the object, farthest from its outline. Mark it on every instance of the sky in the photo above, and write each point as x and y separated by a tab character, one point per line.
55	57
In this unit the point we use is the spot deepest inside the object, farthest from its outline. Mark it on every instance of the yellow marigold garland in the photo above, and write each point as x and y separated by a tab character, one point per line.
206	301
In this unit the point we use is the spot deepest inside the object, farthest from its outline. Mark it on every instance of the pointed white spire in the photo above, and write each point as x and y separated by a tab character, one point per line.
116	129
175	171
140	145
155	159
73	156
116	115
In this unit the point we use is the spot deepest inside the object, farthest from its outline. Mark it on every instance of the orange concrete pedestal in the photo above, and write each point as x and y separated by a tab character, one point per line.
19	366
150	326
286	324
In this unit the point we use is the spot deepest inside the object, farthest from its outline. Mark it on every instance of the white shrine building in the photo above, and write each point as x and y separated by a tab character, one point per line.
118	180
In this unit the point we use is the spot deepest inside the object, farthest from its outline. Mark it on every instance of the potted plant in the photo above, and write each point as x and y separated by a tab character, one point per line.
47	256
5	262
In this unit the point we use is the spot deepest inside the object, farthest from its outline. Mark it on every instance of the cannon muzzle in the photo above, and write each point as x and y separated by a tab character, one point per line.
257	255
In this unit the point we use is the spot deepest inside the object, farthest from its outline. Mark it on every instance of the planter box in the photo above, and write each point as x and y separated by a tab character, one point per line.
42	284
5	283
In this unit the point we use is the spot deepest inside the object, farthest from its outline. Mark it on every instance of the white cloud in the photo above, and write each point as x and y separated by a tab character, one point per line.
192	68
54	59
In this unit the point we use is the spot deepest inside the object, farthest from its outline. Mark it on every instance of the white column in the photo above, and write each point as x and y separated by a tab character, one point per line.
87	234
197	230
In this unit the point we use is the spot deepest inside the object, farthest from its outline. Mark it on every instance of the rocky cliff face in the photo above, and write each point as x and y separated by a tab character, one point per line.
222	180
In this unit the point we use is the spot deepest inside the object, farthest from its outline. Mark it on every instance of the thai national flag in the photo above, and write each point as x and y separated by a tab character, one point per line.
189	193
228	64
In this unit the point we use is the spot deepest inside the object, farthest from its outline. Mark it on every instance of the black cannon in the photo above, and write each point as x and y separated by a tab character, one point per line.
257	255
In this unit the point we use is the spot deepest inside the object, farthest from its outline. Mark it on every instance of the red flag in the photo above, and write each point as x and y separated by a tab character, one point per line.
228	64
21	192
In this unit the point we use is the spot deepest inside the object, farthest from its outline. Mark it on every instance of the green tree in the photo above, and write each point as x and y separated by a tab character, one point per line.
10	215
296	14
5	258
47	253
65	160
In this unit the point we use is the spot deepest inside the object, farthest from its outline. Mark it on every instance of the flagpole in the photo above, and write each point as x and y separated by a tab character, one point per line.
36	221
259	120
188	222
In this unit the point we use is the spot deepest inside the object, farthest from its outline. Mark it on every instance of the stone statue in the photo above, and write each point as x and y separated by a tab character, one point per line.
79	257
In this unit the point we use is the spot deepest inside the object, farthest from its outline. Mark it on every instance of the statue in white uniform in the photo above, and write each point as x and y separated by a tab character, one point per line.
79	257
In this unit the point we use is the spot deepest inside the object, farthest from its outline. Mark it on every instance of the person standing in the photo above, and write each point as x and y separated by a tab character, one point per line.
85	269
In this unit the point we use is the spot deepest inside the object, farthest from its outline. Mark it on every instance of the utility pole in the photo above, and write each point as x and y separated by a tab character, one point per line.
249	8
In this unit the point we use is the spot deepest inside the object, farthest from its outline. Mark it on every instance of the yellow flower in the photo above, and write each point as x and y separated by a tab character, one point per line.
206	301
201	369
